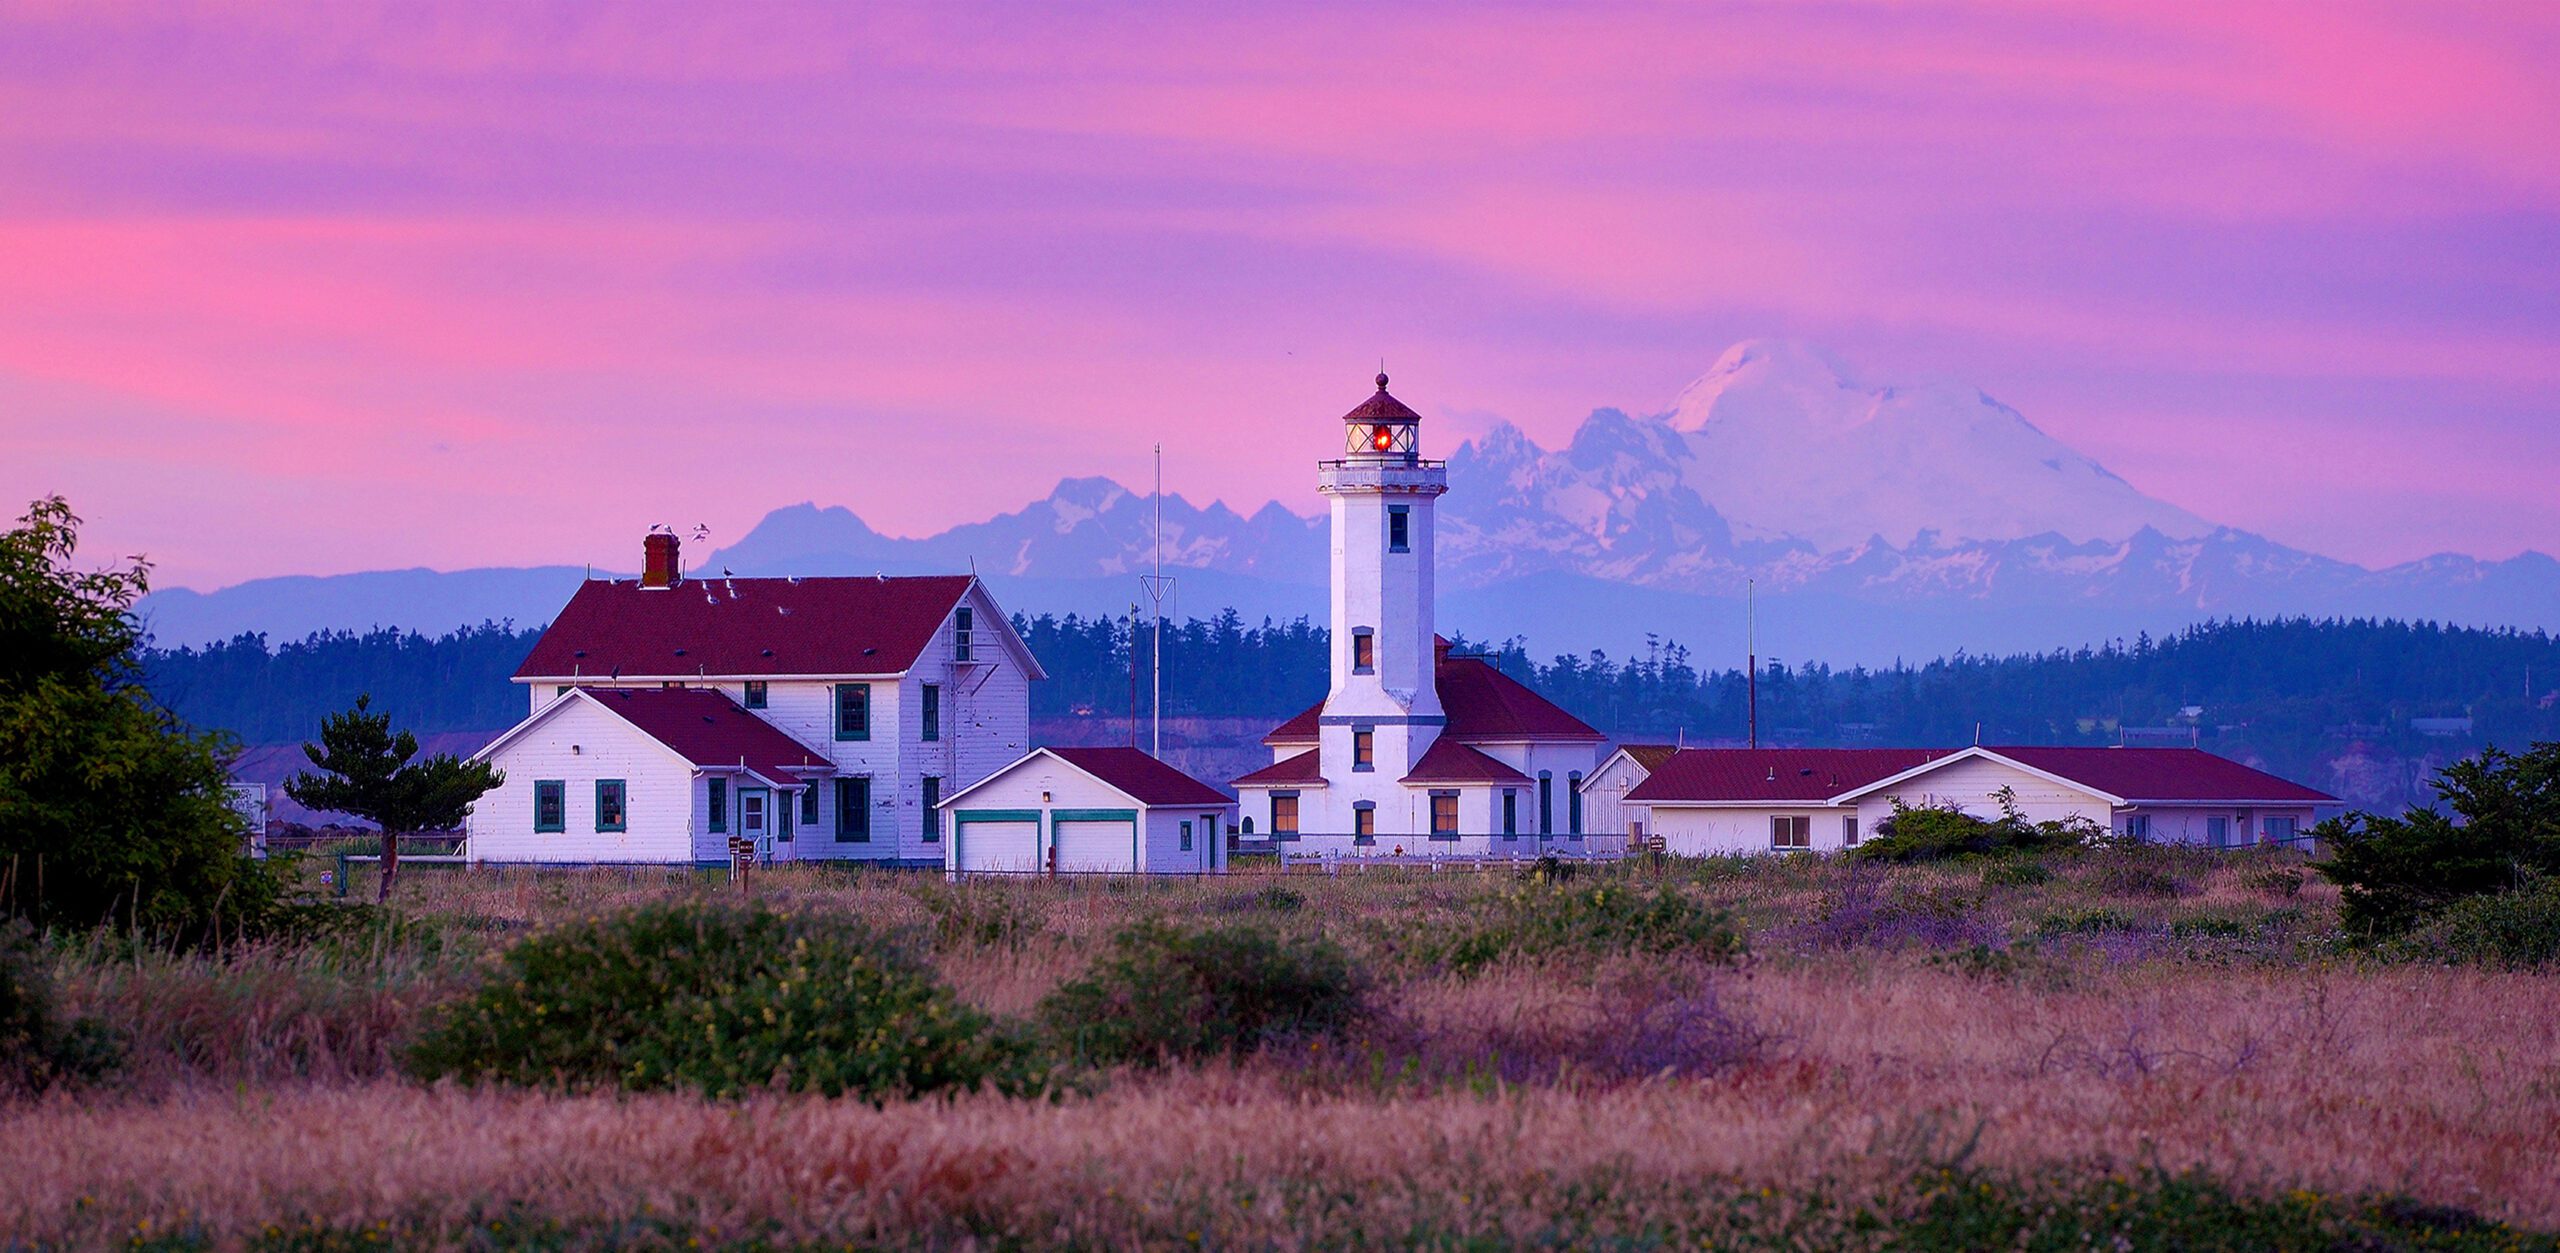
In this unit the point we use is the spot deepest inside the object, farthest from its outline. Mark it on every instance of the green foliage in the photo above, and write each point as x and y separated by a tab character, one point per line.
1163	993
2504	824
369	771
721	1000
1966	1210
37	1048
2016	872
2517	930
1592	920
110	811
978	914
1934	833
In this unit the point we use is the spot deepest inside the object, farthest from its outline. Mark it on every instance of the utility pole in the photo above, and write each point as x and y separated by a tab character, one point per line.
1157	585
1751	650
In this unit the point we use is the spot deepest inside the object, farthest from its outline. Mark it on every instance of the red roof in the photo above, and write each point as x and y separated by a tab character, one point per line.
1448	761
707	728
744	627
1381	408
1649	757
1145	779
2176	775
1298	770
1774	774
1484	705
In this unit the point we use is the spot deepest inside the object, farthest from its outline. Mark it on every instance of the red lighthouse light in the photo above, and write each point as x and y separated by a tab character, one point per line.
1382	439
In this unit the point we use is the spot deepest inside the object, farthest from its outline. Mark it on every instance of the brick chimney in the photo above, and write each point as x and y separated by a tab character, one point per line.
658	560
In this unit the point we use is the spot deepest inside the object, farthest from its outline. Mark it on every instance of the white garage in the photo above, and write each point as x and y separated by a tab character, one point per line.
1088	811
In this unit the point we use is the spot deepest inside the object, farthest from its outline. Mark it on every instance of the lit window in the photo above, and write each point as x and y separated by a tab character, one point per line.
1364	821
1364	652
1364	749
1444	813
1284	813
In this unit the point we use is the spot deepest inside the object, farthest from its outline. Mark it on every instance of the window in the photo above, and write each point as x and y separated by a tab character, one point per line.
609	811
1364	748
932	808
1573	803
853	711
2217	830
963	625
853	810
1186	835
755	694
1399	528
1364	651
932	711
2279	828
782	817
1510	813
1444	813
2138	826
550	805
1790	831
1546	802
562	690
809	806
1364	821
1849	831
1284	813
719	806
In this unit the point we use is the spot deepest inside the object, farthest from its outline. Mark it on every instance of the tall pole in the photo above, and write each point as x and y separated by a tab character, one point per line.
1751	650
1156	589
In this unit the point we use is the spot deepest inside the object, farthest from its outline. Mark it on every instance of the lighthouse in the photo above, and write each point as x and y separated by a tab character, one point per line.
1413	750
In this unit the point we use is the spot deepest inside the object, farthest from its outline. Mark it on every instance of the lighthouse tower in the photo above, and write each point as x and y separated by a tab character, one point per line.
1382	711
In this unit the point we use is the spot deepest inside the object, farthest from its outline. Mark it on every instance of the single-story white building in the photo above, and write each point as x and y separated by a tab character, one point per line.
1605	811
1705	801
1087	811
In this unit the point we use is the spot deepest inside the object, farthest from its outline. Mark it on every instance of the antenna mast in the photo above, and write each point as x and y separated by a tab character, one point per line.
1157	586
1751	649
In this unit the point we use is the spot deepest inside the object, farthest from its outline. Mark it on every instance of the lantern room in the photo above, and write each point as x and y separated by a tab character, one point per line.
1381	429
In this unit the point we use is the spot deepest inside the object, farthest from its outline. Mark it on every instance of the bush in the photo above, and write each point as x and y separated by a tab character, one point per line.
2517	930
1163	993
37	1049
1935	833
721	1000
982	915
2016	872
1600	919
2503	825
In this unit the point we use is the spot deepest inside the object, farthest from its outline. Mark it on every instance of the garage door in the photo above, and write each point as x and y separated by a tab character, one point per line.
997	845
1091	844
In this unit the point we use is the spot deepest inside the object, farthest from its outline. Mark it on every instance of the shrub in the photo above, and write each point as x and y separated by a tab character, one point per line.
1163	993
37	1049
1604	918
1270	898
2503	824
1935	833
2276	881
2016	872
2510	930
981	915
722	1000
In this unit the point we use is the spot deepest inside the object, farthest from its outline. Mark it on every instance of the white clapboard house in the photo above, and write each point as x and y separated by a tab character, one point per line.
821	718
1414	749
1087	811
1704	801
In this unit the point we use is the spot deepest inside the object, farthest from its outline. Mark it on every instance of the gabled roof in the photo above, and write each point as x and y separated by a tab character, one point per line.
1448	761
1647	757
1772	775
700	725
751	628
1129	771
2163	775
1298	771
1145	779
1484	706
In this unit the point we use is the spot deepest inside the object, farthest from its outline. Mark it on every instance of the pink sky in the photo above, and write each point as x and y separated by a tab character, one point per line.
326	288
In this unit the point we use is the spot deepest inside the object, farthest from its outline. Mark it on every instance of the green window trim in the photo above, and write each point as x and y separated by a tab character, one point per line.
853	810
756	694
719	805
932	705
557	790
619	807
932	785
853	711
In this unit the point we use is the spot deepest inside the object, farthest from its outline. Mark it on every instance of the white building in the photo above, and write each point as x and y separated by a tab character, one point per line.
1604	793
1704	801
824	718
1412	749
1087	811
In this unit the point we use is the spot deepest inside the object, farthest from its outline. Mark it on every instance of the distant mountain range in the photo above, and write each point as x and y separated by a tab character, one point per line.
1874	523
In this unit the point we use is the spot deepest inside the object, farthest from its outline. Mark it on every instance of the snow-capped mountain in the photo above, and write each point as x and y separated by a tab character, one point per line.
1875	522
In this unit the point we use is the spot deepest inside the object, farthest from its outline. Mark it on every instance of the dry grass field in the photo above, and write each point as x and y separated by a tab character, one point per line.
2094	1044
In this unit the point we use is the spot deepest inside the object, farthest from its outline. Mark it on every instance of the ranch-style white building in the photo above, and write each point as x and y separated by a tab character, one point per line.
1704	801
822	718
1087	811
1414	749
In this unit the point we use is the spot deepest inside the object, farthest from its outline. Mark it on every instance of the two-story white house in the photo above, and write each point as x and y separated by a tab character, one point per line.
823	718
